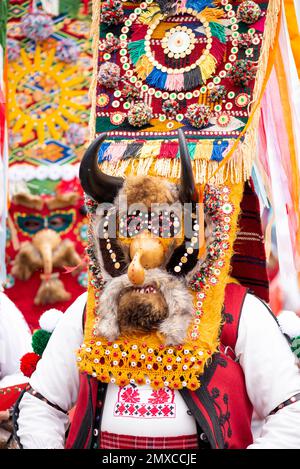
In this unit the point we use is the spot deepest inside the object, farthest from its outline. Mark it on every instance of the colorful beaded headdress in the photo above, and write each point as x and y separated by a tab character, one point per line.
200	66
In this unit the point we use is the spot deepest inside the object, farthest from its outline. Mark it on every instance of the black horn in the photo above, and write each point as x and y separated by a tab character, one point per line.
98	185
188	191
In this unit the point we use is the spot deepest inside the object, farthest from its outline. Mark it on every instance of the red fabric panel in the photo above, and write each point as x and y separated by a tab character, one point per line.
80	410
113	441
233	303
227	388
9	395
249	260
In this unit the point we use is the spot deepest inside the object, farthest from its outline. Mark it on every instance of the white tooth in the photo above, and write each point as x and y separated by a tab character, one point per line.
142	290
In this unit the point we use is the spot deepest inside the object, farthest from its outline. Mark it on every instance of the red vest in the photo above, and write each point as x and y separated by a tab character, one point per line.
220	406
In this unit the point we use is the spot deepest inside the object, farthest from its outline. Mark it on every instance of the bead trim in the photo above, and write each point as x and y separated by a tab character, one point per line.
289	401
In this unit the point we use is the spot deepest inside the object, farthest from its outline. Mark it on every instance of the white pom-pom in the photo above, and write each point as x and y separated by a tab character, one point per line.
289	323
48	321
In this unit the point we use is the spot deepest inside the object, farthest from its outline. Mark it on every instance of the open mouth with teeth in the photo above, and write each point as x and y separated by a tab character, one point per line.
145	289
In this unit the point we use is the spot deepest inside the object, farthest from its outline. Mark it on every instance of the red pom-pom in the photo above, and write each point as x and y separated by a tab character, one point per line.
28	363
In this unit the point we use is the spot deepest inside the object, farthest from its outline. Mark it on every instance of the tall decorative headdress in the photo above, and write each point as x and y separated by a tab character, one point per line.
199	66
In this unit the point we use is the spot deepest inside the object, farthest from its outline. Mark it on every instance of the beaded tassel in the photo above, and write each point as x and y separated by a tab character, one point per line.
201	232
212	14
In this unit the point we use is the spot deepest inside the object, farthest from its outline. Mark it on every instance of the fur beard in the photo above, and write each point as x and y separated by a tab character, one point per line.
141	311
171	314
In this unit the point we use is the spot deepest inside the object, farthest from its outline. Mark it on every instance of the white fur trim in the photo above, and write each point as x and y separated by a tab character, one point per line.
178	299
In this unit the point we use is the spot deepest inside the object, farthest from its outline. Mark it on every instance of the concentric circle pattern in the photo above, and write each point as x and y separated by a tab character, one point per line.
186	56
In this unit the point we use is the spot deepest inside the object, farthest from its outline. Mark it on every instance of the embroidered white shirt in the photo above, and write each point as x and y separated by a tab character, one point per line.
270	369
140	410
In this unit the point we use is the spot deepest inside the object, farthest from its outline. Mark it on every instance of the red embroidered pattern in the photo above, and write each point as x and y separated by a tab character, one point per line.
160	403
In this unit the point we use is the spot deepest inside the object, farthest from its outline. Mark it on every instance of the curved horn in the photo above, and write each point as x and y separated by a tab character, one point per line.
98	185
188	191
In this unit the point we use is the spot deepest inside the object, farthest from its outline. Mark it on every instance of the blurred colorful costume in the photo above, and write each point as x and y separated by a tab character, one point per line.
170	331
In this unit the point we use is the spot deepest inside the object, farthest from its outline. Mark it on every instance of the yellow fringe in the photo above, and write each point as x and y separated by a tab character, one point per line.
204	151
150	15
212	14
208	67
150	149
235	171
270	33
143	67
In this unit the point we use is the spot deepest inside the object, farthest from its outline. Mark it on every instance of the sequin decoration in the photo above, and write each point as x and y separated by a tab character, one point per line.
139	114
109	75
249	12
67	51
13	49
37	26
217	209
242	72
102	100
223	119
111	44
112	12
185	56
198	115
170	107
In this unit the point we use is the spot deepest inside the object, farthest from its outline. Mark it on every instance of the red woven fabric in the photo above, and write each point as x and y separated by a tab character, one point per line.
249	260
113	441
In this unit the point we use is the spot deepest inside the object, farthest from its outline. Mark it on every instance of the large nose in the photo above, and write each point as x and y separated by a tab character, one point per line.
46	241
146	252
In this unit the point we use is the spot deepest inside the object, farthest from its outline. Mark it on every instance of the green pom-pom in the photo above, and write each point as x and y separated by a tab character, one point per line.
40	340
296	346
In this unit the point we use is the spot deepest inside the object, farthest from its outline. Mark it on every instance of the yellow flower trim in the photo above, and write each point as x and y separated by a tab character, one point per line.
143	358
